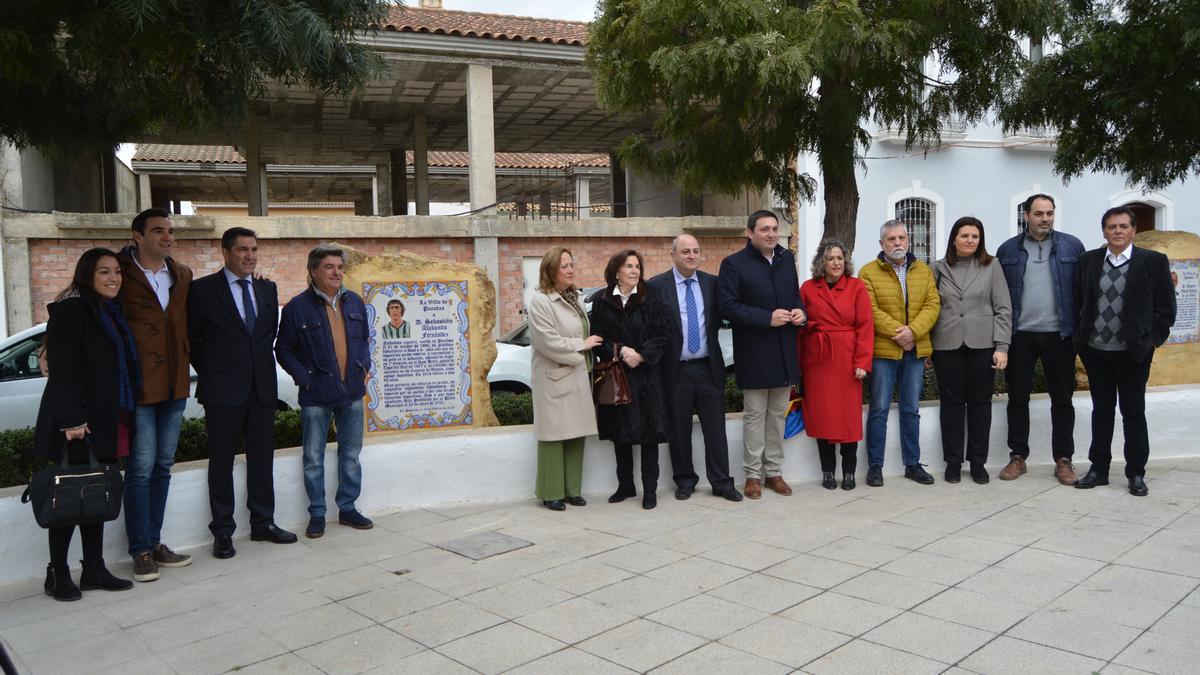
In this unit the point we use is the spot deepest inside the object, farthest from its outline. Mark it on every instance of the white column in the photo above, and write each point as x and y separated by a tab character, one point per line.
256	170
420	164
583	196
481	139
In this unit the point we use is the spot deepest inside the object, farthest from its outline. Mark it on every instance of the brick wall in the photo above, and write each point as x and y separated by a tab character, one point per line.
52	261
591	255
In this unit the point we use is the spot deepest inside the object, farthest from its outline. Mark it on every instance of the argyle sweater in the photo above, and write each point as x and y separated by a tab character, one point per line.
1106	335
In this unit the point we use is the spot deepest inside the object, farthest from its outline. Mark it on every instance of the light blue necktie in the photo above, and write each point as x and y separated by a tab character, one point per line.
693	318
248	314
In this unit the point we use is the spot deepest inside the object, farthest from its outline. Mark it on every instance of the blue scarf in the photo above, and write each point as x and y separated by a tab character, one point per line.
129	366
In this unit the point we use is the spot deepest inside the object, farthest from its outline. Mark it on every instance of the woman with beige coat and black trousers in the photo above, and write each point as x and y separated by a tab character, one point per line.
970	342
560	376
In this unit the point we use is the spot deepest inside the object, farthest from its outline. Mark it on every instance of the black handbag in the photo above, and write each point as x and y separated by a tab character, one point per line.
67	494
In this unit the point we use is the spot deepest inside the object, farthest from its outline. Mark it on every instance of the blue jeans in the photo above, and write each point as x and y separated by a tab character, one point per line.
315	420
910	371
148	471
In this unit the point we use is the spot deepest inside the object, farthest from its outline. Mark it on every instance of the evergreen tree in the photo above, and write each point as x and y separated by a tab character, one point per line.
735	88
81	74
1123	93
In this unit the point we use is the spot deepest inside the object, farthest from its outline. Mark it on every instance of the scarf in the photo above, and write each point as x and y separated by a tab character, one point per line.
129	366
571	295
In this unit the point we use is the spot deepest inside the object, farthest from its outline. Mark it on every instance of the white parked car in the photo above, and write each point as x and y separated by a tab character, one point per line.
510	372
21	382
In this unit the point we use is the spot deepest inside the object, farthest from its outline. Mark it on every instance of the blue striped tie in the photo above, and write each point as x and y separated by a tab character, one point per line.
693	319
248	314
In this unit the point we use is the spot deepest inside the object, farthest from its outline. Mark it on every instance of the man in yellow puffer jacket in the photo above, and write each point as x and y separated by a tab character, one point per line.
905	303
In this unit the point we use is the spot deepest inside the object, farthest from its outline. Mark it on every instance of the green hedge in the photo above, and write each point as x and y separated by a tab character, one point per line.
518	408
16	463
513	408
16	446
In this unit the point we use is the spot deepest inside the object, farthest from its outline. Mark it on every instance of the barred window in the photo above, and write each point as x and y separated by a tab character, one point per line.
1021	224
919	215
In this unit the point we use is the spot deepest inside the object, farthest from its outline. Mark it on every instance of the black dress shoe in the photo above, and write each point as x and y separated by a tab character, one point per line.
730	494
953	473
649	500
575	501
979	474
827	480
274	534
875	476
555	504
223	546
917	473
848	481
620	496
683	493
1137	486
1091	479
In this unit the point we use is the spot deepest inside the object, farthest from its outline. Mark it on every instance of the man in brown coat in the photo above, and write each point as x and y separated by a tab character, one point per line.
154	298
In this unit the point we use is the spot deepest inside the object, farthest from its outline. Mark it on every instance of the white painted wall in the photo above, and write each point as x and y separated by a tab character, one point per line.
648	197
495	465
37	181
978	176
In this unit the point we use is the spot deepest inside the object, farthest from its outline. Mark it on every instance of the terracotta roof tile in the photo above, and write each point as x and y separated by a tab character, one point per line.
487	26
209	154
225	154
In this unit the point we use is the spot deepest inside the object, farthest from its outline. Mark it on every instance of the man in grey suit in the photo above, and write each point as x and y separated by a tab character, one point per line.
693	370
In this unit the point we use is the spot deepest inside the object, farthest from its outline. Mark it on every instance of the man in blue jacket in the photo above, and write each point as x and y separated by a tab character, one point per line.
759	292
1039	266
323	346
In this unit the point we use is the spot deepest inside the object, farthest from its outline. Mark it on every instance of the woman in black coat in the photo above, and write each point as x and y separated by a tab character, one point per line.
627	314
94	376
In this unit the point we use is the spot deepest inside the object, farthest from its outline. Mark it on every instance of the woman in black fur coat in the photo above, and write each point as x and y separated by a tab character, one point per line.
627	314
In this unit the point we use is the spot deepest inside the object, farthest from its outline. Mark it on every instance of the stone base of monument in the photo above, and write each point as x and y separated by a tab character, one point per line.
1178	361
497	465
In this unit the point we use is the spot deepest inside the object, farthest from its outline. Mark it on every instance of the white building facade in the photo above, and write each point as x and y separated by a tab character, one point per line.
981	171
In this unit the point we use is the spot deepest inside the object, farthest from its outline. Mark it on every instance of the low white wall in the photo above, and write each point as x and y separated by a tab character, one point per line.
429	468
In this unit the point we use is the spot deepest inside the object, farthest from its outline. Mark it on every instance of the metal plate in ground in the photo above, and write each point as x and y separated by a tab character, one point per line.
485	545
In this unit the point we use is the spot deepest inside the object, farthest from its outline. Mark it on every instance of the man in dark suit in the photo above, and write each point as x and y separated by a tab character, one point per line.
759	292
232	319
1124	308
693	371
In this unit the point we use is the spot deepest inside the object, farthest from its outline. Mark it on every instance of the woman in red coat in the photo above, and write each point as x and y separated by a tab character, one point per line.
835	356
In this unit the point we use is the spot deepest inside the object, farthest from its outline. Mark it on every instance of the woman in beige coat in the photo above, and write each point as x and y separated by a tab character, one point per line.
970	342
563	413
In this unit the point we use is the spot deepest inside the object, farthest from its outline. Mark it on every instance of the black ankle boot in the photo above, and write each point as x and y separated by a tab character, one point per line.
848	481
621	495
827	480
649	499
59	584
97	577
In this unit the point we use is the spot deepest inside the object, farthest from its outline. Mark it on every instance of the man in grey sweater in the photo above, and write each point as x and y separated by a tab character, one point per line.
1039	266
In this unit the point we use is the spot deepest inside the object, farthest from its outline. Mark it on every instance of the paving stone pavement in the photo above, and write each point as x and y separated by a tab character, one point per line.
1012	577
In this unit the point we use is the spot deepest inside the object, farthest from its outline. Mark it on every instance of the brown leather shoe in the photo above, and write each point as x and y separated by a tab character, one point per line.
1016	467
1064	471
753	489
777	484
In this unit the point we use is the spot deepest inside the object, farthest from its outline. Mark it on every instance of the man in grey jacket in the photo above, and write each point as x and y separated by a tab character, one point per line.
1039	266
